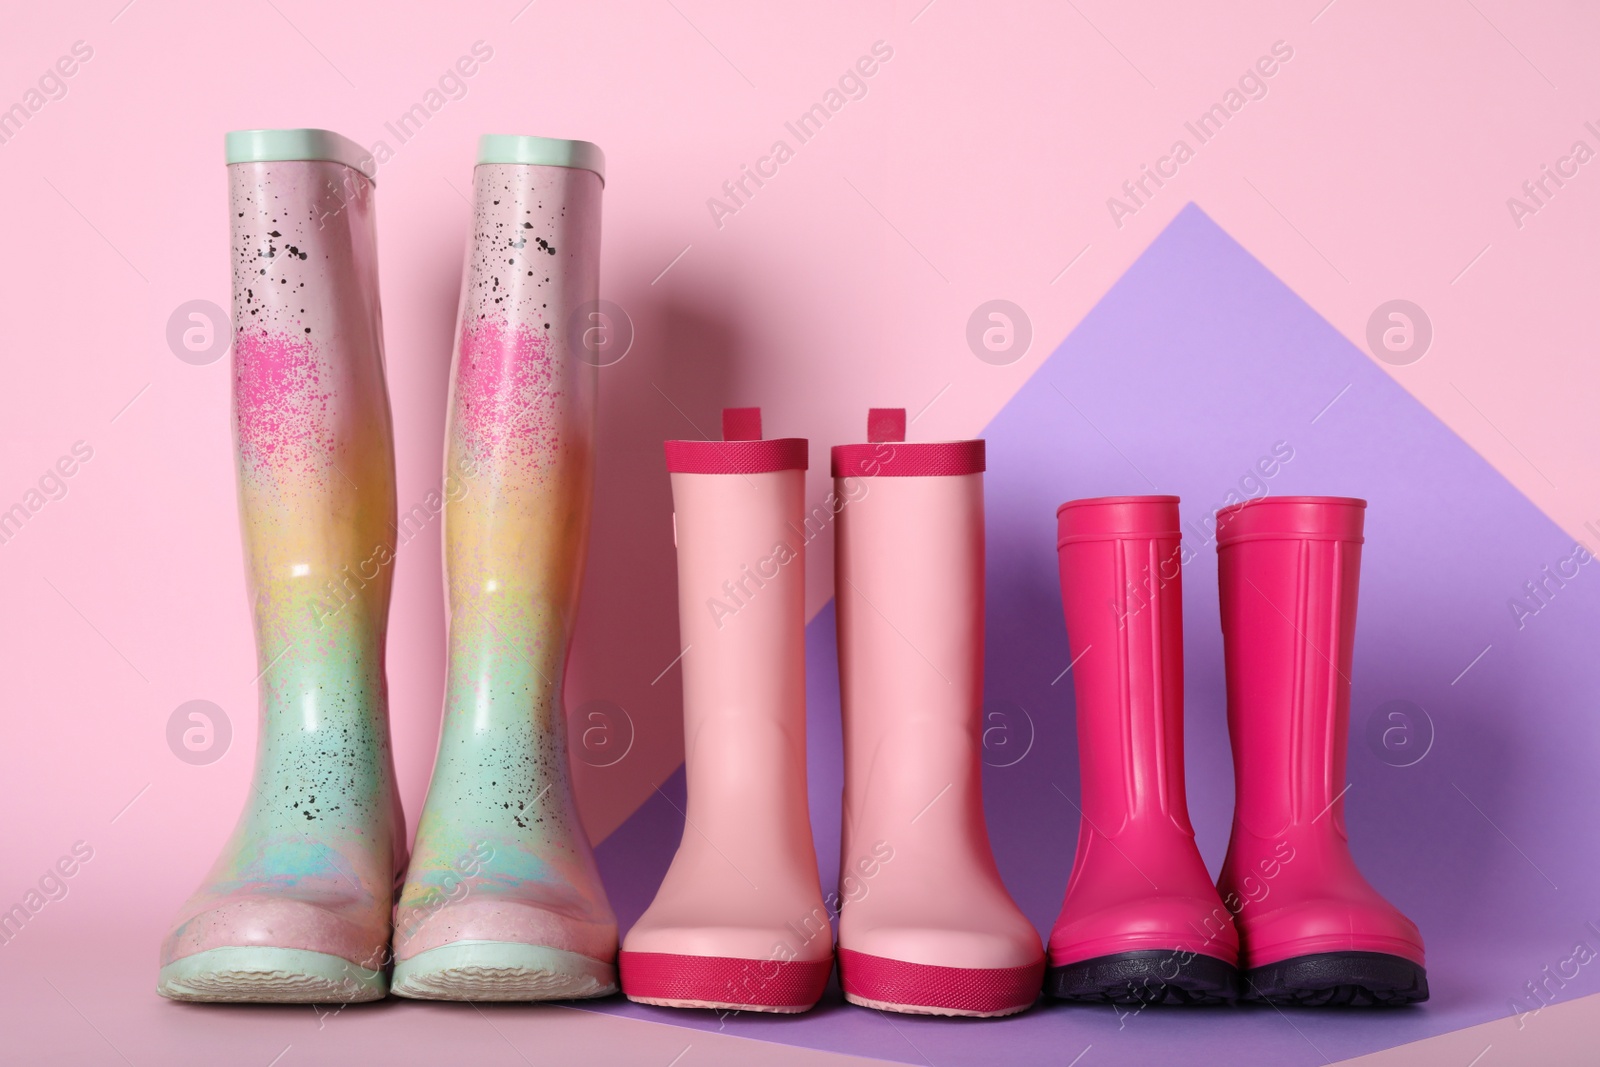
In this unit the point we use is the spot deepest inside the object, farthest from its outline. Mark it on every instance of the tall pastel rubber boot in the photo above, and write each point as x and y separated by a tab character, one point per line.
1313	931
296	909
738	923
503	900
1141	922
926	926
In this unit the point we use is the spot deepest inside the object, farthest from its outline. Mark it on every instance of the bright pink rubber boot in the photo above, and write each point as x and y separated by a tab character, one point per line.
1141	922
1313	930
738	922
925	924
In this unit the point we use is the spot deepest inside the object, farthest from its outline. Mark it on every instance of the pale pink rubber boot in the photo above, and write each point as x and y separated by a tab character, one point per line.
1313	930
738	922
1141	922
925	923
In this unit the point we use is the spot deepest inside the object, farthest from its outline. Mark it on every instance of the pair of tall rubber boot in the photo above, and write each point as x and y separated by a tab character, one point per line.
312	899
740	923
1291	919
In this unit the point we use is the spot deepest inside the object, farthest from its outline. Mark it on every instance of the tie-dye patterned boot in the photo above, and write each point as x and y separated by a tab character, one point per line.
503	900
297	907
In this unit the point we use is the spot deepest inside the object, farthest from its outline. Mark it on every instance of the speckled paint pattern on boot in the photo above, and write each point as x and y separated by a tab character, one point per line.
311	863
522	419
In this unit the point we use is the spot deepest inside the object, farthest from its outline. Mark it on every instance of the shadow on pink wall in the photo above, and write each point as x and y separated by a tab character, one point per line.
624	690
1197	363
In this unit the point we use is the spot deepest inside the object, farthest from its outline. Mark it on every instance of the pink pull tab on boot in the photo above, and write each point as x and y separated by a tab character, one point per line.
926	925
1313	931
1141	923
738	922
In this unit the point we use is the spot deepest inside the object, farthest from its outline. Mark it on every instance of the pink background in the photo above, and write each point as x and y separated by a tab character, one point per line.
977	166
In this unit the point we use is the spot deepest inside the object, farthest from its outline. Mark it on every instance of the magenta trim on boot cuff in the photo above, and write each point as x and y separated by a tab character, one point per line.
1109	518
1292	518
742	451
887	452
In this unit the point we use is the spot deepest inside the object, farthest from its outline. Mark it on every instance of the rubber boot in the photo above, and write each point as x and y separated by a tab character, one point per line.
925	924
503	900
1141	922
738	923
297	907
1313	931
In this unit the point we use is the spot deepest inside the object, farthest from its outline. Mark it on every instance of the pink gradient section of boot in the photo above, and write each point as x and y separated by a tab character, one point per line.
738	922
1289	569
564	925
248	919
1138	882
925	923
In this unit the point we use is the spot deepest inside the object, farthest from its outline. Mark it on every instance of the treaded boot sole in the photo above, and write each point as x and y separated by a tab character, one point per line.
927	989
1146	976
1326	979
727	983
258	974
501	970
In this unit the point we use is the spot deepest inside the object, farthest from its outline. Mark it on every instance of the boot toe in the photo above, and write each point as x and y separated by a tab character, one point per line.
939	970
278	922
502	971
731	983
1187	925
947	946
1343	979
1328	925
744	942
733	968
259	974
419	928
910	988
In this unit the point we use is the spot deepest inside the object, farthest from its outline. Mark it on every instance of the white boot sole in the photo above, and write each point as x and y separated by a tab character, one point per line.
262	975
501	970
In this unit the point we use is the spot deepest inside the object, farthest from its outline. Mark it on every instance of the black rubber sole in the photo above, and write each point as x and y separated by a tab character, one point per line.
1327	979
1149	976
